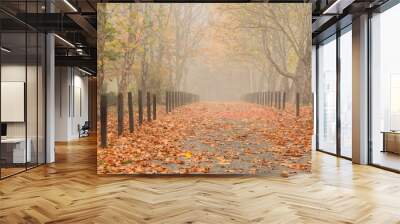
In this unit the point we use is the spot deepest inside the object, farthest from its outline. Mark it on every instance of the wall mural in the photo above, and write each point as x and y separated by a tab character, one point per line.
204	88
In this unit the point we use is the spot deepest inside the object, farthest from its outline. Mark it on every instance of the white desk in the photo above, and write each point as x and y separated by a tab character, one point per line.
19	154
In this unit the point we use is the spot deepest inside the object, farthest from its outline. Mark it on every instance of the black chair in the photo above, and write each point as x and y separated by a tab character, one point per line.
84	130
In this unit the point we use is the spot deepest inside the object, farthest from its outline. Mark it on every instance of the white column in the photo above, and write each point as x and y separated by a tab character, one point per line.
360	90
50	100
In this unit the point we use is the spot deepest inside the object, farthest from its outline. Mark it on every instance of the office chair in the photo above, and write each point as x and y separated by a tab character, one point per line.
84	130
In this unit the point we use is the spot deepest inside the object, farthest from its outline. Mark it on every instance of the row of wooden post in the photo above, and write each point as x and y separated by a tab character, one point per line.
275	99
174	99
151	104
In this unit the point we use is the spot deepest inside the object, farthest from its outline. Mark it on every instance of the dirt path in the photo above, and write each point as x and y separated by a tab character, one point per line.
215	138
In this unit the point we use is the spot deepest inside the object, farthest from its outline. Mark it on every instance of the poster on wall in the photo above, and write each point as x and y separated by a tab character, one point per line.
204	89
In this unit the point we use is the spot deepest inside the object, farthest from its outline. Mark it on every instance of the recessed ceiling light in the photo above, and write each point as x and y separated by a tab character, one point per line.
65	41
337	7
5	50
70	5
84	71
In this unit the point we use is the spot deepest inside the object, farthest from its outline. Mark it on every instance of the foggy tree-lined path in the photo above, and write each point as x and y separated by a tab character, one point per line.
214	138
221	53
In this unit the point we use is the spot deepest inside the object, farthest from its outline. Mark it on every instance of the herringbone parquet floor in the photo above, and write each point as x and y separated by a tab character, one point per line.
69	191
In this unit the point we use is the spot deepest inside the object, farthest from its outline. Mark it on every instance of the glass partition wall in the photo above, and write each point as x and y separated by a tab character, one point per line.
334	93
22	77
385	89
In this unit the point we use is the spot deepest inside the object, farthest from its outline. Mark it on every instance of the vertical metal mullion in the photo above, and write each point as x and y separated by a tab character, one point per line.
338	82
60	95
69	92
317	97
37	90
26	86
369	91
45	95
73	91
0	94
45	86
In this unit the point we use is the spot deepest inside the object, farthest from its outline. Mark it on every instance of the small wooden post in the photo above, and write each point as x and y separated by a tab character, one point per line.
284	101
154	106
169	101
276	99
130	111
140	104
103	121
120	115
166	102
173	97
279	100
272	99
148	101
274	96
269	98
179	99
297	104
176	102
263	98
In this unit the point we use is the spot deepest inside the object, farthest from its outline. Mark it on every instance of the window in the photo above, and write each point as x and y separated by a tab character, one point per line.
327	95
385	89
346	93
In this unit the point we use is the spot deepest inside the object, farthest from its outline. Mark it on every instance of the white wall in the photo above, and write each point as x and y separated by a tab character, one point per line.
62	81
71	87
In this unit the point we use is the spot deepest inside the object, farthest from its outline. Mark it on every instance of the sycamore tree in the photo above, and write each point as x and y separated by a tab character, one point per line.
276	39
106	48
189	25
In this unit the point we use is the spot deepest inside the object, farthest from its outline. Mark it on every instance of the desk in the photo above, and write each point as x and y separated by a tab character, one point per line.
13	150
391	141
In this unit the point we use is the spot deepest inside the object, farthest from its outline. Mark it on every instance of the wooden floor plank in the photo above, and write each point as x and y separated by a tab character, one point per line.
70	191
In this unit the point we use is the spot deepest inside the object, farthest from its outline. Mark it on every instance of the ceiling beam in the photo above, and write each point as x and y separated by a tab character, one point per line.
83	61
84	24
